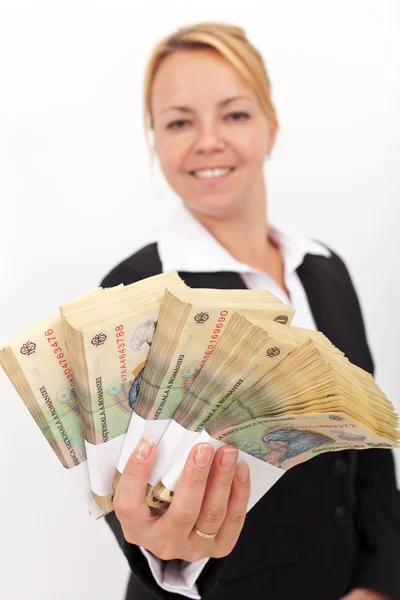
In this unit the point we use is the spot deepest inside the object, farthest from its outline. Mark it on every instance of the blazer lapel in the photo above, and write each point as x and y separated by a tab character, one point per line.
221	280
335	307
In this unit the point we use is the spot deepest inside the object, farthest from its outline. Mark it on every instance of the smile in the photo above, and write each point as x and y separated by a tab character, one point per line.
219	173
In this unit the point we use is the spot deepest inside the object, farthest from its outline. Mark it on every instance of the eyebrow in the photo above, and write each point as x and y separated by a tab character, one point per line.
186	109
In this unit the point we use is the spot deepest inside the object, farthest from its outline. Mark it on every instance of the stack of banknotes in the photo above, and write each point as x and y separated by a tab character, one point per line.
179	366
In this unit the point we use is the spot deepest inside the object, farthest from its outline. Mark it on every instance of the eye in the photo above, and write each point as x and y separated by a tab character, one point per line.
239	116
177	124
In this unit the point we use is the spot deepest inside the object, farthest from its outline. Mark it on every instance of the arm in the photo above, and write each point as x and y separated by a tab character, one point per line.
377	513
377	501
139	564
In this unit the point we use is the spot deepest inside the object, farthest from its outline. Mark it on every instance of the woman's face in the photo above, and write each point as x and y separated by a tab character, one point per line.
206	117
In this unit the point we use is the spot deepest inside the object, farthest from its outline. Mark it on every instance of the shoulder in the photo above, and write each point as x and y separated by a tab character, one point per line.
332	263
329	271
335	304
143	263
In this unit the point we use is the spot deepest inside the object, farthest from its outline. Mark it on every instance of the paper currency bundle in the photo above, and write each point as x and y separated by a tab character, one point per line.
189	328
179	366
37	364
108	339
280	394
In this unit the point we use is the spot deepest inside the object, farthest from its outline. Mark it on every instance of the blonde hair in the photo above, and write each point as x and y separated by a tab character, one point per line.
229	41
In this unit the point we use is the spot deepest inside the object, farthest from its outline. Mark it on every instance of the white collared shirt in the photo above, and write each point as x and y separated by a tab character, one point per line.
186	245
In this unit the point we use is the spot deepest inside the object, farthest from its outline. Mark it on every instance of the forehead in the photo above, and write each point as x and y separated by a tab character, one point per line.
191	77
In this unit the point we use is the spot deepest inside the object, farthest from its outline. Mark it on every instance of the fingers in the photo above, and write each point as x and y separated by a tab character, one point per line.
236	512
188	497
129	498
216	497
211	496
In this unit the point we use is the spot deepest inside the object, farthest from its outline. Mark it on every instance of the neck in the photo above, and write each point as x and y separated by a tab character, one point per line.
244	234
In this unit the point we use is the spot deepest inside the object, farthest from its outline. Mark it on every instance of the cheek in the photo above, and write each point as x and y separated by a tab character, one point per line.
171	155
252	147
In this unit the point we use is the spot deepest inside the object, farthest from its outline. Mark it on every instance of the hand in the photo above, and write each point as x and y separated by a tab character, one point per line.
364	594
212	496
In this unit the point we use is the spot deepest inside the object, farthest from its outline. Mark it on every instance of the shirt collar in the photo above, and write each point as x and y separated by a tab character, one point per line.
186	245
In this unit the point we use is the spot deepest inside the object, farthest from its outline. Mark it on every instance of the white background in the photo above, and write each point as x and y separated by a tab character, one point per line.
77	196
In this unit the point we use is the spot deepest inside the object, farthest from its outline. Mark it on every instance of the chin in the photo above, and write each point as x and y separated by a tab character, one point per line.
213	207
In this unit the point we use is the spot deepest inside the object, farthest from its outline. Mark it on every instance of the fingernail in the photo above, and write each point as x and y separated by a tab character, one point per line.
203	455
228	458
143	449
243	472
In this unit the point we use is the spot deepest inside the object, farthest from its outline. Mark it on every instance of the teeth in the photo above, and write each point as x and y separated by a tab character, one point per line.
209	173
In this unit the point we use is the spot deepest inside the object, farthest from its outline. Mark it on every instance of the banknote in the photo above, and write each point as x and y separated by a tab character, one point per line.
204	328
192	331
241	357
108	357
115	355
250	348
38	366
46	379
273	446
289	441
313	379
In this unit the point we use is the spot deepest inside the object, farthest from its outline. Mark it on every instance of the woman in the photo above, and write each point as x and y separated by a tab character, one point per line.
330	528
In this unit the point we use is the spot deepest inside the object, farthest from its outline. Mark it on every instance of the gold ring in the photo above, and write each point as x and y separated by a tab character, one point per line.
205	535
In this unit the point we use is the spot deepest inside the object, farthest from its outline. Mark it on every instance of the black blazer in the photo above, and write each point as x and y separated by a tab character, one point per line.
328	525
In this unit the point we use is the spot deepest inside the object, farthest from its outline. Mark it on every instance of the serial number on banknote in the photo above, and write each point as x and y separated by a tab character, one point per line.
120	339
60	355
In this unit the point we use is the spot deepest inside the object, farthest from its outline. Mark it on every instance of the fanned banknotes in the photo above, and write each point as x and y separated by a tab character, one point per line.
157	359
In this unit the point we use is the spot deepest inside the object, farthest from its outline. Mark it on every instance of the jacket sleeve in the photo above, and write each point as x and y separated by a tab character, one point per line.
377	504
377	513
141	571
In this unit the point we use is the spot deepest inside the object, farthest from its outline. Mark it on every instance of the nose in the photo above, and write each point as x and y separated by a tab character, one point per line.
208	139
